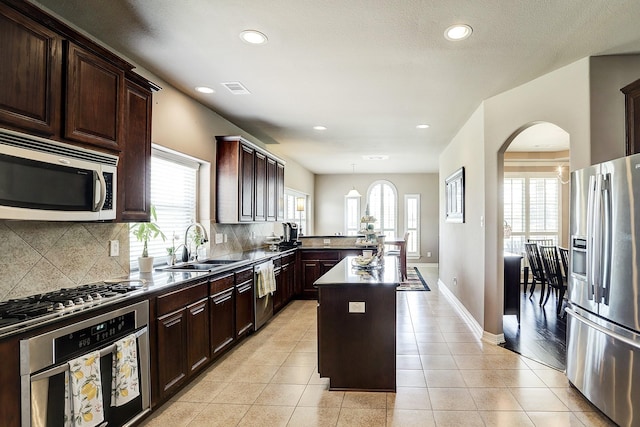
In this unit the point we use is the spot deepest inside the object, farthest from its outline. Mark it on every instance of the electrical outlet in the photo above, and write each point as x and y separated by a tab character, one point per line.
219	238
225	238
327	241
356	307
428	254
455	281
114	247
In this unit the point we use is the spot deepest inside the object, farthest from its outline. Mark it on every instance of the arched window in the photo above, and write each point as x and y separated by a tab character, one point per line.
382	200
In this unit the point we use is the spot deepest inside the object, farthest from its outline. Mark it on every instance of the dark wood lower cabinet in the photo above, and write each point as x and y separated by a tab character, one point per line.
198	348
279	293
172	350
244	302
222	314
182	329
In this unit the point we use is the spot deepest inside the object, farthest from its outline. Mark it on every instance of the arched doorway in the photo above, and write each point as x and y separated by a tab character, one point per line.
535	204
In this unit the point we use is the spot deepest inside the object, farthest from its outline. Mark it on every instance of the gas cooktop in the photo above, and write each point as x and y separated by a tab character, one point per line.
38	309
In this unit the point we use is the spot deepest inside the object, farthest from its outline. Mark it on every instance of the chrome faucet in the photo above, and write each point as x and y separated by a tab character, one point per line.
186	253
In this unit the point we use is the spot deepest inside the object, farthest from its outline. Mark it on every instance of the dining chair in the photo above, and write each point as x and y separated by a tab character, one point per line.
564	257
401	253
539	242
553	275
537	269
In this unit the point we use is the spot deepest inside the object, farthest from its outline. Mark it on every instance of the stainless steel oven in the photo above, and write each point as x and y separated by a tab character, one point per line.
45	361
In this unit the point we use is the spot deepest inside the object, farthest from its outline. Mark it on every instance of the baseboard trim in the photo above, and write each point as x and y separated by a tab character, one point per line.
461	309
471	321
494	339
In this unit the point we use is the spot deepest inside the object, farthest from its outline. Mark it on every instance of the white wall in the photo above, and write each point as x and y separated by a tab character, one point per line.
583	99
329	207
561	98
462	245
609	74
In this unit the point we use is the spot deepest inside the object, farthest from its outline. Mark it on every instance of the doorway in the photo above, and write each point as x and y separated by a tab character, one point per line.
536	197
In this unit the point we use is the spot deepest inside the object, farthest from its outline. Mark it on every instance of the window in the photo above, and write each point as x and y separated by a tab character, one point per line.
174	180
352	215
531	210
296	206
412	223
383	205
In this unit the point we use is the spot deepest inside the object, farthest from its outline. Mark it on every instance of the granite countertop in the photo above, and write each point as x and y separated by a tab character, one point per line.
345	274
162	277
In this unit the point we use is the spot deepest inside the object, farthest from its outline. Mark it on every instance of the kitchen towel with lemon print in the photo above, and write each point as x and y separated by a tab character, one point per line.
83	392
124	375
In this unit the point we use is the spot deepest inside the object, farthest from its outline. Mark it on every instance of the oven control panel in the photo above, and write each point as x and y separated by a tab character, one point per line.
93	337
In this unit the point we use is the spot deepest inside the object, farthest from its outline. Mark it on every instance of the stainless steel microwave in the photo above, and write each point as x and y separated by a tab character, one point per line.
47	180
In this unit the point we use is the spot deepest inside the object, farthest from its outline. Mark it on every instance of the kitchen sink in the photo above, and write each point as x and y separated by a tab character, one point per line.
206	265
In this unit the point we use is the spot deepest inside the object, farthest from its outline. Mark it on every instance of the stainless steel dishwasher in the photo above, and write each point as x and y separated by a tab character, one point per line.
263	301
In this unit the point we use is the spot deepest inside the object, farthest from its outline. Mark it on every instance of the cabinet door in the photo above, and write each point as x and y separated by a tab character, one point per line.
198	347
279	293
632	117
222	321
260	207
246	183
244	308
95	90
31	74
272	190
310	273
287	282
172	350
280	191
134	167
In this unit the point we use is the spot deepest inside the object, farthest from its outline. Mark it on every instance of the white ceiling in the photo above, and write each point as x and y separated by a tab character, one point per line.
368	70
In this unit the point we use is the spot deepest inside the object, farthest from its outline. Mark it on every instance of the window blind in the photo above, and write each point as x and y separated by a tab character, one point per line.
174	182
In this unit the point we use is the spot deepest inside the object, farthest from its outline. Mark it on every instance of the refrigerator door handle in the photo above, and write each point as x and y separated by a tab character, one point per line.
591	201
575	315
605	243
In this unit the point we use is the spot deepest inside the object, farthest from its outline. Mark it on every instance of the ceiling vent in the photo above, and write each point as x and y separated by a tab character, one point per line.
236	88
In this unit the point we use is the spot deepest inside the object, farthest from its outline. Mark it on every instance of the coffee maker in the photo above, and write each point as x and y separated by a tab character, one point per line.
290	236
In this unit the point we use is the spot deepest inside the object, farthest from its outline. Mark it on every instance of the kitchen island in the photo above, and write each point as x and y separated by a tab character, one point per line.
357	326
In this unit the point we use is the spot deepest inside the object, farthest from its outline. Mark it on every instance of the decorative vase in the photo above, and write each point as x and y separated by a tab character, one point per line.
145	264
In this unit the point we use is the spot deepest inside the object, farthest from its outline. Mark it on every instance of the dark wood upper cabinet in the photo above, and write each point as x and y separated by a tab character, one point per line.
249	182
280	191
272	192
632	117
30	74
57	83
94	96
134	167
260	204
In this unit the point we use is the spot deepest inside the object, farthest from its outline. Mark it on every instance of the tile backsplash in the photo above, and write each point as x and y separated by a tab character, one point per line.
39	257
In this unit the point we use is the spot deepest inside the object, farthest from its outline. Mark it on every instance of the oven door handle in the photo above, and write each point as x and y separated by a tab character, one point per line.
65	366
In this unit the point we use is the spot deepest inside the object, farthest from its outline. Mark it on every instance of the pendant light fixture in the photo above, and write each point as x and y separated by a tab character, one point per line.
353	192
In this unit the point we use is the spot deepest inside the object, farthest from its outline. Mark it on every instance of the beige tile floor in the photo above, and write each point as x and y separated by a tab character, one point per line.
445	377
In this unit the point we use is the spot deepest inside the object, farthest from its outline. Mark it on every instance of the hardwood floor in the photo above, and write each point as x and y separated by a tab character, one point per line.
541	336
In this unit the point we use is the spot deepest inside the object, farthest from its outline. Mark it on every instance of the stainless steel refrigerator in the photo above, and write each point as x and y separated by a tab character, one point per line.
603	322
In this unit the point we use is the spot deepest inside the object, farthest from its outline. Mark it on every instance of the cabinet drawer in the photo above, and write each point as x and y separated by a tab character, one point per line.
219	284
181	298
277	262
244	275
288	259
333	255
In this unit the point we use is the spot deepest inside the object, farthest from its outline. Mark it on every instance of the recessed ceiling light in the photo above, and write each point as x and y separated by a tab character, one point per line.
458	32
320	127
204	89
422	126
375	157
253	37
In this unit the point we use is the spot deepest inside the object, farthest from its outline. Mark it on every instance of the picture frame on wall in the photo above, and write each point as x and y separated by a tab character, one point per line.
454	196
